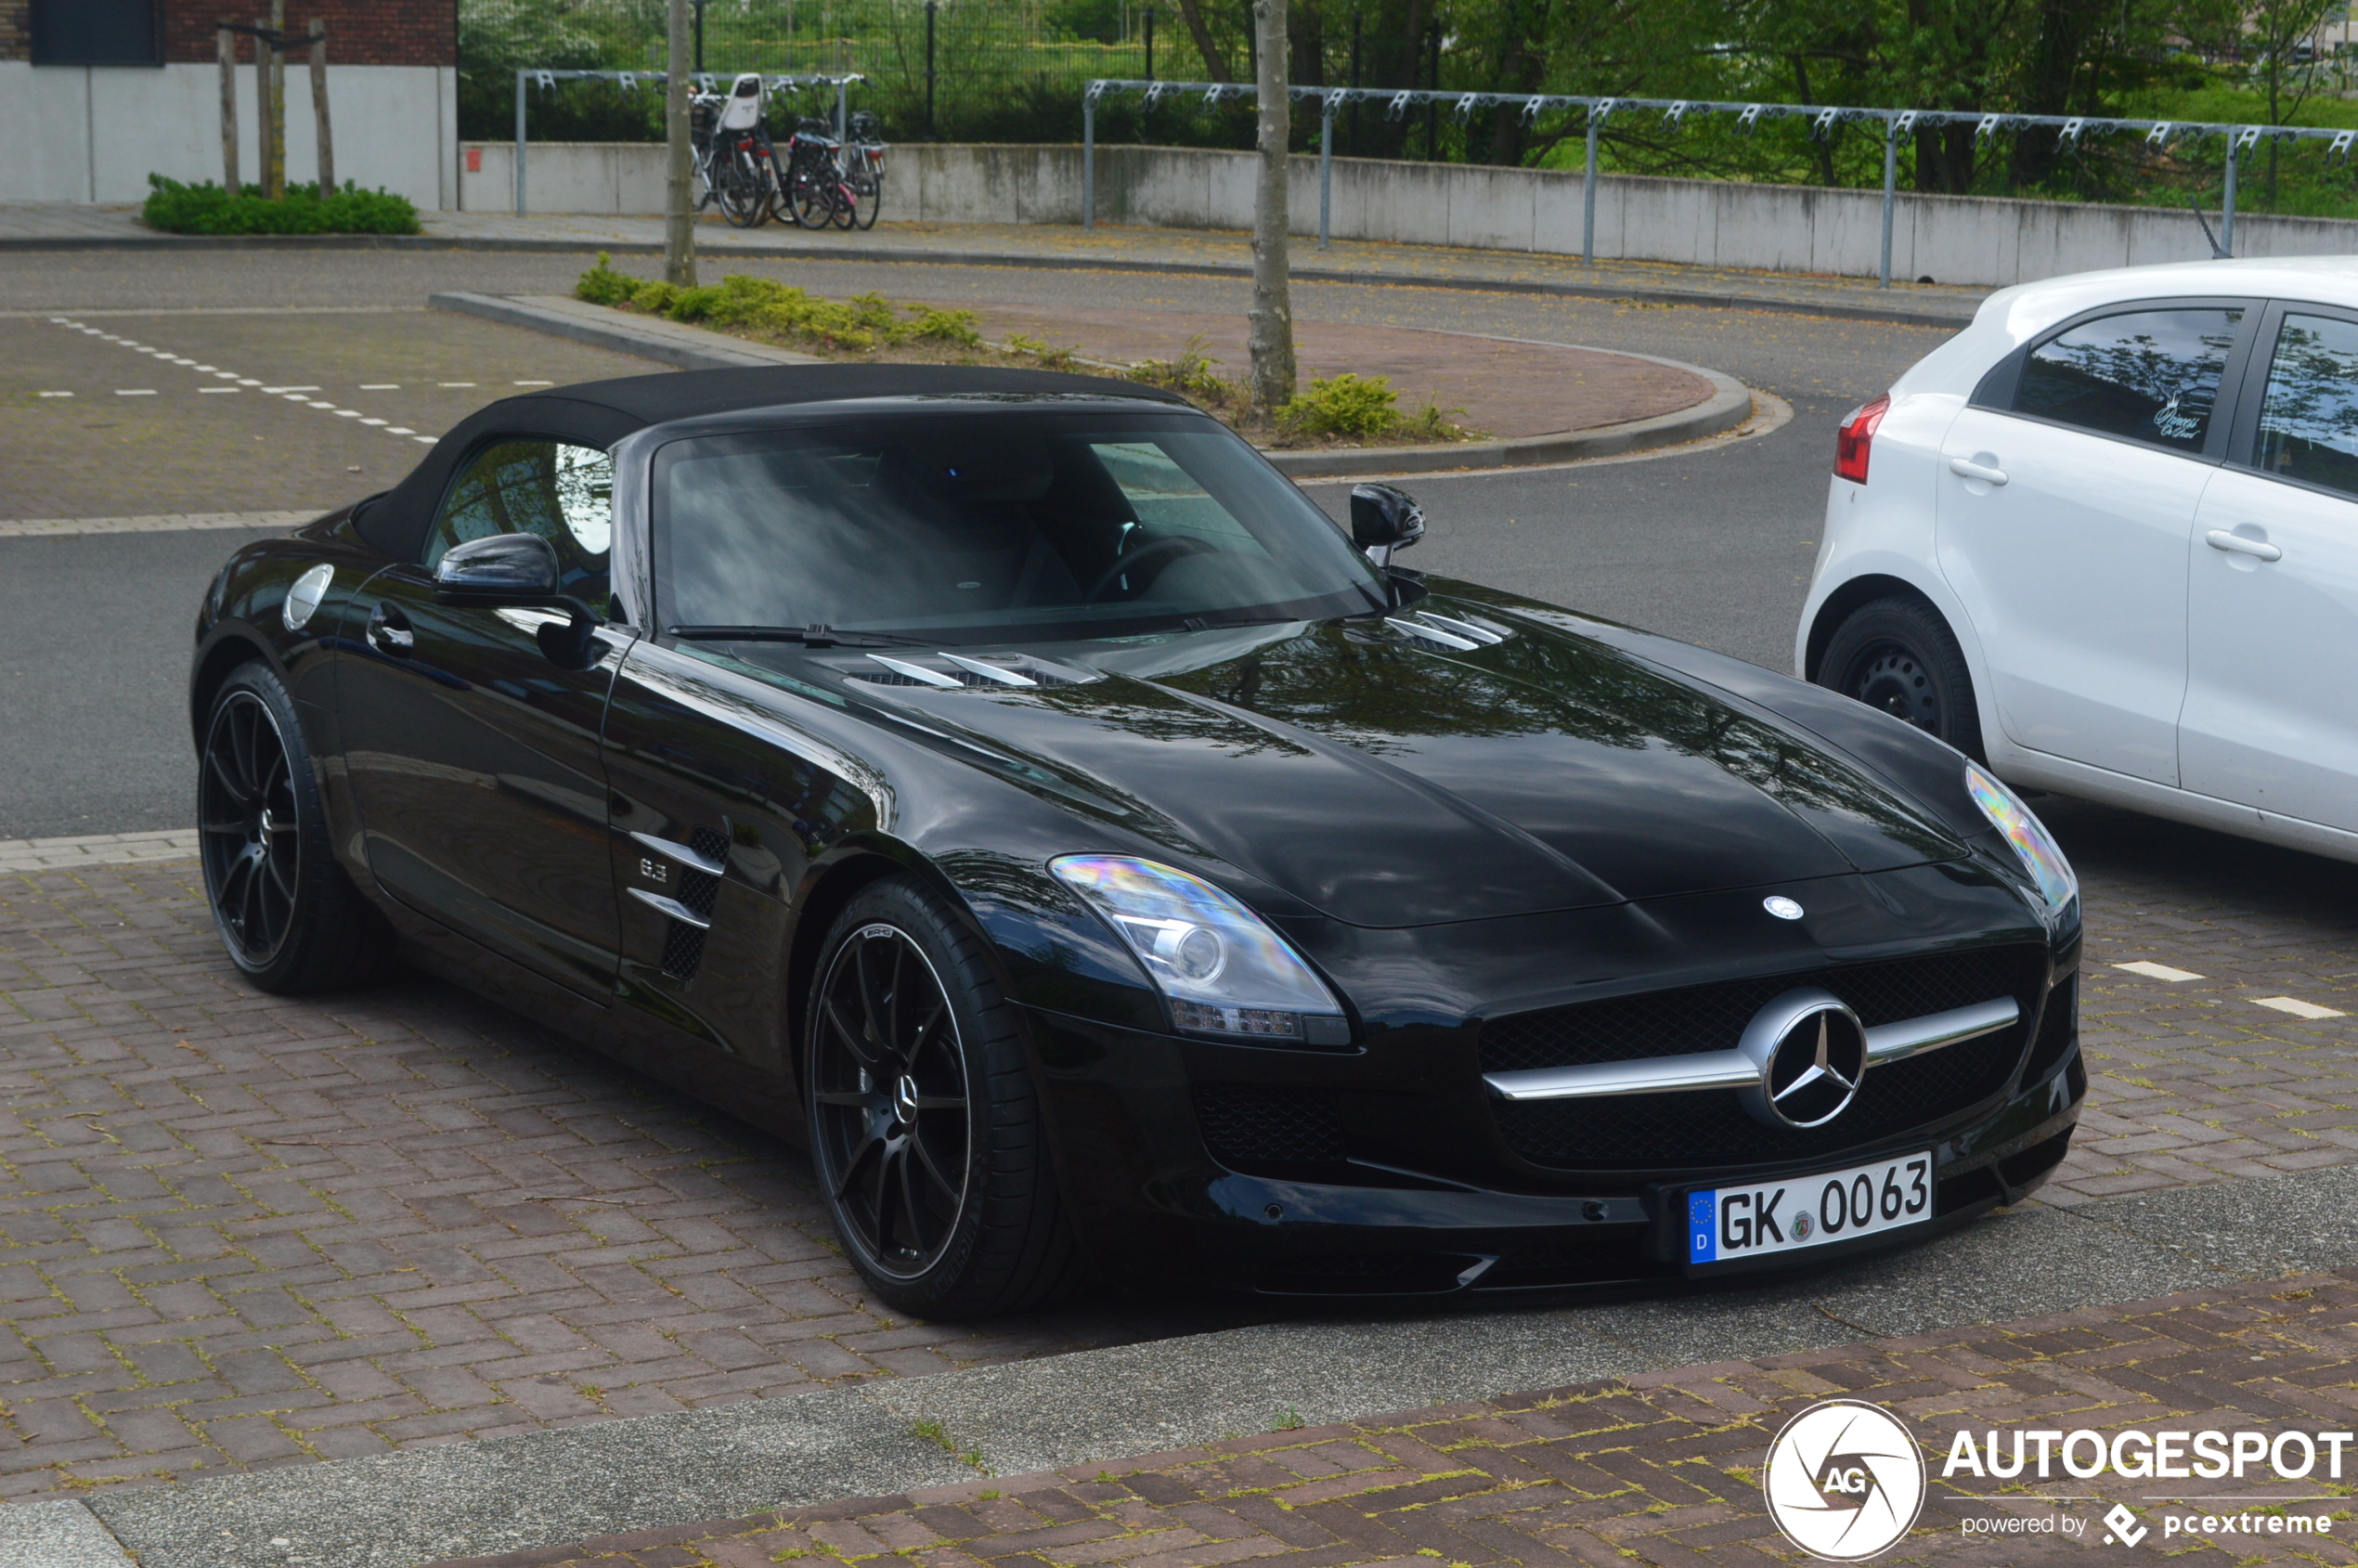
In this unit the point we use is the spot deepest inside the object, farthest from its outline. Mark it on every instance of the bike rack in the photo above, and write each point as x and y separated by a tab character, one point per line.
698	82
1825	119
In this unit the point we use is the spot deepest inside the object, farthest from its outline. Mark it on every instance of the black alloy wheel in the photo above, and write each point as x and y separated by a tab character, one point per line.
289	917
925	1126
890	1098
251	830
1898	655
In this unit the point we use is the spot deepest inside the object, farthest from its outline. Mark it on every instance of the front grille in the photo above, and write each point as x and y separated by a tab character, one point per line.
1709	1127
1712	1017
1250	1125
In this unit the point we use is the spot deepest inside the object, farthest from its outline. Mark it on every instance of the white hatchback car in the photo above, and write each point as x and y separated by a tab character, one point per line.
2106	539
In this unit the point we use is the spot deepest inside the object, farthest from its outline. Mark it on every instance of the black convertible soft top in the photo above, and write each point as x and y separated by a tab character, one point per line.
601	414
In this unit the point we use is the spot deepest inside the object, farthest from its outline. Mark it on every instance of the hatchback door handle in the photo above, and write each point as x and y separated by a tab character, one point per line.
1965	468
2222	540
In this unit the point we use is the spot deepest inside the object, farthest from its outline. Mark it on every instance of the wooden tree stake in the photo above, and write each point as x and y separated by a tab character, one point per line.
319	106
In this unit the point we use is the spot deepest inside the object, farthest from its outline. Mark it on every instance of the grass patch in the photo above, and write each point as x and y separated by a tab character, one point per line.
208	209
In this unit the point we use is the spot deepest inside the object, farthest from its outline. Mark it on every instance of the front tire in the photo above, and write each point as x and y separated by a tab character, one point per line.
1897	655
925	1125
288	915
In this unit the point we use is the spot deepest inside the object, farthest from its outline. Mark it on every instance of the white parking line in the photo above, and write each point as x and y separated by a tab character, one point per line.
135	392
536	383
2153	971
56	395
380	386
2297	1009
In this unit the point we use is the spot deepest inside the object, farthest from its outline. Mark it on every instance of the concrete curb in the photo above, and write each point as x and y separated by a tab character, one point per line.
670	342
695	348
657	1472
1702	297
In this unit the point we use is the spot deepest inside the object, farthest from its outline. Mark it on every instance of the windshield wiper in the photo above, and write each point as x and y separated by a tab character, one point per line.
809	636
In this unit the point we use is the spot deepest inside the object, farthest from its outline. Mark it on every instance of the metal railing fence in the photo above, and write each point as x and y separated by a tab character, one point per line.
706	82
1825	119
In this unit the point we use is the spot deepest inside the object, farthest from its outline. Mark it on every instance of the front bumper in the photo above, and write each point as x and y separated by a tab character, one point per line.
1152	1202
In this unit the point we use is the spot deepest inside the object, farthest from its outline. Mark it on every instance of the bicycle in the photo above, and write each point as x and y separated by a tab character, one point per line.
864	152
815	192
740	167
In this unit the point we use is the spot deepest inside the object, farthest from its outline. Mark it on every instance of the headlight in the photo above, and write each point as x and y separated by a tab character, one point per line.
1223	972
2041	855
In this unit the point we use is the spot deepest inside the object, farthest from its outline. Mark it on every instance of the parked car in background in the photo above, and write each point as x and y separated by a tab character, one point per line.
2106	539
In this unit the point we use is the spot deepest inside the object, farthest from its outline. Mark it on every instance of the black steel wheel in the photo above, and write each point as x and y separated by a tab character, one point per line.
286	912
923	1122
1898	655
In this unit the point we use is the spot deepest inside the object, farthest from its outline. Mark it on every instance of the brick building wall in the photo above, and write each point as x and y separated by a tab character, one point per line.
359	32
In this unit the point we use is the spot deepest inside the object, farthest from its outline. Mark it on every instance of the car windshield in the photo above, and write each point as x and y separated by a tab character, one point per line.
986	525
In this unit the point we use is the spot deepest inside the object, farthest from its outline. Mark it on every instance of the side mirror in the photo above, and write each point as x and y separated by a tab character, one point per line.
1384	519
503	569
520	569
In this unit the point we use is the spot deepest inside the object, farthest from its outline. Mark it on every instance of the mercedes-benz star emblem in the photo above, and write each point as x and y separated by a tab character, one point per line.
1811	1053
1782	907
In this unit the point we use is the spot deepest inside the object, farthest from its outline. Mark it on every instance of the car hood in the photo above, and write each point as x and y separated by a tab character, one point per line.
1386	781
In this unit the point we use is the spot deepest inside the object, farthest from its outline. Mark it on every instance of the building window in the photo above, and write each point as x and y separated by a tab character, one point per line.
96	32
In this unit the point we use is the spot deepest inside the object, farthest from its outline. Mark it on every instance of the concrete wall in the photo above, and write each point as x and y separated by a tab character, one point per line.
95	132
1967	240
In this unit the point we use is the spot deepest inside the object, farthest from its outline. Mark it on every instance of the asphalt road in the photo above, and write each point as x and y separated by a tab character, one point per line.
1714	546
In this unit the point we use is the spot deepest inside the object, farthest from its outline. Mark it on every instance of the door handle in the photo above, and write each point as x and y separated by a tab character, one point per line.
2238	544
1965	468
389	632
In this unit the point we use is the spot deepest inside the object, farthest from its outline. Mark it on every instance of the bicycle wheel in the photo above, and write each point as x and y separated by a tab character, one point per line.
808	198
870	200
740	194
844	204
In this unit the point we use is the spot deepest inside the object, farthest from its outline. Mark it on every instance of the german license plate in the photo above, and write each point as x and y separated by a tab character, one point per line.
1729	1223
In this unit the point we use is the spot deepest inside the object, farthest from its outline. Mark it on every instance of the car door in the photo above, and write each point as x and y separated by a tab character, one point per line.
2271	717
2067	494
473	755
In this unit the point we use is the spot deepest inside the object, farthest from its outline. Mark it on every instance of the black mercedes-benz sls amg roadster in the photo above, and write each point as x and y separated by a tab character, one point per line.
1012	787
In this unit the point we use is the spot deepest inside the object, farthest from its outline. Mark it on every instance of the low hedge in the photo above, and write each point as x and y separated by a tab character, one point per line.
207	209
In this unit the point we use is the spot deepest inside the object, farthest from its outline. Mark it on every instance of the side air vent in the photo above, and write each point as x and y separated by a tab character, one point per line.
683	938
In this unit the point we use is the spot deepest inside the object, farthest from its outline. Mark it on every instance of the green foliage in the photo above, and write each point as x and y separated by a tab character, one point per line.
1345	405
1191	376
207	209
1050	358
765	305
603	285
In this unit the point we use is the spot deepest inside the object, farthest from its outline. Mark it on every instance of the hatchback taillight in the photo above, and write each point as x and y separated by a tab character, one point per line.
1857	437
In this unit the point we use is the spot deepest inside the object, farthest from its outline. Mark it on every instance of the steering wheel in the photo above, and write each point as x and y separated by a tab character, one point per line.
1175	547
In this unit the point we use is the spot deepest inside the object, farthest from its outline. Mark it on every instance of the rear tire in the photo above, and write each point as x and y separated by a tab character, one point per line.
925	1123
1897	655
288	915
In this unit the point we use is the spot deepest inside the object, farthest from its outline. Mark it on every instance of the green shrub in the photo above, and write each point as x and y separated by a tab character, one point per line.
1345	405
207	209
603	285
1190	375
653	297
945	326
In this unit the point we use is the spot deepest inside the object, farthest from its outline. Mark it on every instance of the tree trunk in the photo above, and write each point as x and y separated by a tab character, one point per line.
1270	336
679	217
1213	60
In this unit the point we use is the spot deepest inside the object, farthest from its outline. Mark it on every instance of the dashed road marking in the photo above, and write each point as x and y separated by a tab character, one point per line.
536	383
380	386
2153	971
135	392
56	395
454	384
202	390
2297	1009
372	421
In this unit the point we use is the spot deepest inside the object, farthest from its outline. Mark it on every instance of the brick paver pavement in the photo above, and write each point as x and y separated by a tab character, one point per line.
238	1229
1660	1467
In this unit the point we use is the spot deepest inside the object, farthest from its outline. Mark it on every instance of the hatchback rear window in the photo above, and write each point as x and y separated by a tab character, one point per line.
2145	375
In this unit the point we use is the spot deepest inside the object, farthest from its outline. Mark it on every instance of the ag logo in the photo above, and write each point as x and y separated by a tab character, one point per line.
1844	1481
